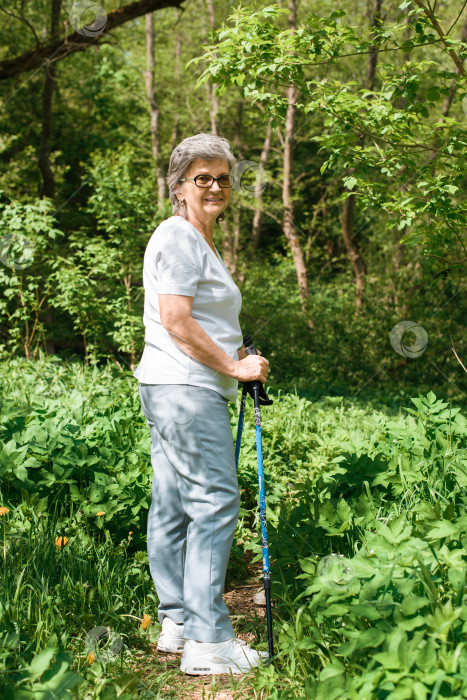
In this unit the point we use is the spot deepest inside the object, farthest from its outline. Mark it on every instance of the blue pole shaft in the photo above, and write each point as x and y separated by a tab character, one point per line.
262	504
262	496
264	533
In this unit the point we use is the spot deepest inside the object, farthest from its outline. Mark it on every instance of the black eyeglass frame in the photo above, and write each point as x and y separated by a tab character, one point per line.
205	187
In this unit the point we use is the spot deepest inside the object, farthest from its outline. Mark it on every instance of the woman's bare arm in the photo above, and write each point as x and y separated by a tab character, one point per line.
175	313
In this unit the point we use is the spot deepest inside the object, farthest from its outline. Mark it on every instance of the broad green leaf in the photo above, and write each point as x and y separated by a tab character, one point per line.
40	663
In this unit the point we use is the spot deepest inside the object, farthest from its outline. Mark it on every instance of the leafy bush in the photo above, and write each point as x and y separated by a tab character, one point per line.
382	613
366	521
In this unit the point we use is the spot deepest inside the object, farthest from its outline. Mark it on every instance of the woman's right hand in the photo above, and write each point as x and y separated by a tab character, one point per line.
252	368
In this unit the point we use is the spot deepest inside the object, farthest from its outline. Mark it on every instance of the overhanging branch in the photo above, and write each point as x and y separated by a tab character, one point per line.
58	50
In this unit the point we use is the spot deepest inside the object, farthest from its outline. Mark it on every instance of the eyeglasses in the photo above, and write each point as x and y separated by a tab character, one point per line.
208	180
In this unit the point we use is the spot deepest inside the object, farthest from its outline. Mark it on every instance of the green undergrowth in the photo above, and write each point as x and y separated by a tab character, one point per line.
367	525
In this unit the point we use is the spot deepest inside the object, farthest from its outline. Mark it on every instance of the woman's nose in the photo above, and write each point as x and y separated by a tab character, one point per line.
215	186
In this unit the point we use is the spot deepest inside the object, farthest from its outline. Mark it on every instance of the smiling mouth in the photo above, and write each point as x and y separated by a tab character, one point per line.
213	200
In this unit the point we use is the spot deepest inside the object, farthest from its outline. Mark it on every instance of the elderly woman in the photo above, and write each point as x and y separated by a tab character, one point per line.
191	365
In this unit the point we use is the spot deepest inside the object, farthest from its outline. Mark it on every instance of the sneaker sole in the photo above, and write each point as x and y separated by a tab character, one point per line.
202	668
170	649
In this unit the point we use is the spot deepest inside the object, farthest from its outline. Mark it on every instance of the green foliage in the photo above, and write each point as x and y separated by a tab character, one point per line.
392	171
366	522
82	295
381	613
366	503
69	434
93	285
27	243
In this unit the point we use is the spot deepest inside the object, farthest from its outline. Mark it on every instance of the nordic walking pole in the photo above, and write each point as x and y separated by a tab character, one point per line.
238	439
258	391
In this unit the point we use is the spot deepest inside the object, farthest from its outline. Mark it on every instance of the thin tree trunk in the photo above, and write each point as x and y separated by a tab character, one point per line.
288	223
353	251
348	215
127	283
400	104
232	235
238	130
154	108
49	344
231	242
175	131
449	99
211	87
255	235
320	206
375	20
47	188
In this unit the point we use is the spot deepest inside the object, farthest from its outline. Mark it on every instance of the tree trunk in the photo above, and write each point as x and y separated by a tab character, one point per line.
373	55
288	223
238	130
353	251
348	215
449	99
178	54
49	344
231	242
154	108
211	87
320	206
47	188
255	235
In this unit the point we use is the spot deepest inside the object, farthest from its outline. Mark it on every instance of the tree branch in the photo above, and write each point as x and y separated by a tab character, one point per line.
78	42
435	25
455	353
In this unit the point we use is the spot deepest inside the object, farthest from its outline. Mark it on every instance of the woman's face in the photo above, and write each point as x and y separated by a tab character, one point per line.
205	204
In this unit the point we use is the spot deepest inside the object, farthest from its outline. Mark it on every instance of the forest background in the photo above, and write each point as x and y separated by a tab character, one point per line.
346	229
346	234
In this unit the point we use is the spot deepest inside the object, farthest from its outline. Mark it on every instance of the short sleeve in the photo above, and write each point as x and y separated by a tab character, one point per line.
178	265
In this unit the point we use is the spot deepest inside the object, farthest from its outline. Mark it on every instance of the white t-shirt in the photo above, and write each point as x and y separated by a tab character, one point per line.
178	260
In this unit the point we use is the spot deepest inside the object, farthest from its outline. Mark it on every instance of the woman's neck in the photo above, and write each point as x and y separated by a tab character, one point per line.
206	229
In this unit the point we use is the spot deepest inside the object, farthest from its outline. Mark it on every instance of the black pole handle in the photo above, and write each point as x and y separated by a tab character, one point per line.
255	386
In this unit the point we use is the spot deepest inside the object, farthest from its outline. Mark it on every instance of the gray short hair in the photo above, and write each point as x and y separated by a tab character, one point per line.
203	146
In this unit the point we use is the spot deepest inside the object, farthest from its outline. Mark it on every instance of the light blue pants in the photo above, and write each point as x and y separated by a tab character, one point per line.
195	503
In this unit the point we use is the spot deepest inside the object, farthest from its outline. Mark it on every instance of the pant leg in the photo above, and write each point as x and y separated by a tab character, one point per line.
166	530
195	435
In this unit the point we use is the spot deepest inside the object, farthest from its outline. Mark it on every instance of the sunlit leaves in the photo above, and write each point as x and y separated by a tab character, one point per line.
398	118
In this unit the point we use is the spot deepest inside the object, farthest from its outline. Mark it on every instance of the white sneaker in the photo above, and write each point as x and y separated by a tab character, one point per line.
171	637
208	658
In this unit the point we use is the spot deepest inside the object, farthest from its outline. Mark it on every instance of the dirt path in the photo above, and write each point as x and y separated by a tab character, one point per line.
248	619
